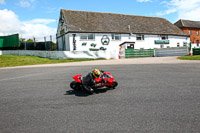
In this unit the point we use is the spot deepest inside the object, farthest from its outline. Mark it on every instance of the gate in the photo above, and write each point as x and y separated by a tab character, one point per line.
135	53
179	51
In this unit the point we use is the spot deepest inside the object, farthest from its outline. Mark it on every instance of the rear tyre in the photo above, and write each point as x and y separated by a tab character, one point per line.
74	85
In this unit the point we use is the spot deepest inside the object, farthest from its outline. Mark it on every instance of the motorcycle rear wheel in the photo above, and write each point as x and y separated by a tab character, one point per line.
74	85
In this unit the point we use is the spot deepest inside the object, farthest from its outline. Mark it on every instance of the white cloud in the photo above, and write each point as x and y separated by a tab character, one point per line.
186	9
10	24
2	2
39	31
24	3
143	0
40	21
169	11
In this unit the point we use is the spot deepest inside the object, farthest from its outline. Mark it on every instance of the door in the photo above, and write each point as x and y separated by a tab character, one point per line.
63	42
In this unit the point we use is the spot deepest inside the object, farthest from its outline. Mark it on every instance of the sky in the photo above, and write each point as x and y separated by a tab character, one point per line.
39	18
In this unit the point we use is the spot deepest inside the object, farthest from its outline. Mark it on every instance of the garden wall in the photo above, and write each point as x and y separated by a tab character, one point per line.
63	54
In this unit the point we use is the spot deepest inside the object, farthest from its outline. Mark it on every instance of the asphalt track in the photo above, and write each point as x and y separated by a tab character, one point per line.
150	98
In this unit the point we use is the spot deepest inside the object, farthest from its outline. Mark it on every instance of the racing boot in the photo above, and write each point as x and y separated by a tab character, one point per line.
89	89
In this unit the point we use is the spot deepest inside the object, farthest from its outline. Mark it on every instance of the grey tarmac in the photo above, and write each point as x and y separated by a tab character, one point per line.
154	95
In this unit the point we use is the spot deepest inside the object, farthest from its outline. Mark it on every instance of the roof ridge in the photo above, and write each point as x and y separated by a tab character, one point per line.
113	13
189	20
182	22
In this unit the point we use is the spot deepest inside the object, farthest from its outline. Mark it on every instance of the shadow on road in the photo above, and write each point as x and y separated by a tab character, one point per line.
84	93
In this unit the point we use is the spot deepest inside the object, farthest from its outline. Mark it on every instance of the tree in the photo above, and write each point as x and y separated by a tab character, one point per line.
53	46
22	40
29	40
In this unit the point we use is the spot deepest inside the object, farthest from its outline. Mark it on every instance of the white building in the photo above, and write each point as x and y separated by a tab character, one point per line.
93	31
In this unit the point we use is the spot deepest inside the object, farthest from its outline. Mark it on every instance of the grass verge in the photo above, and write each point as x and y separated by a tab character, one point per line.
195	57
13	60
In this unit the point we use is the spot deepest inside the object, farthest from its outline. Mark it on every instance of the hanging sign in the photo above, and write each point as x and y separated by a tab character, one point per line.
105	40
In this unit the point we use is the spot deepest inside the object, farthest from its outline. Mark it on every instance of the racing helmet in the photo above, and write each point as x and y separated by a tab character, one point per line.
96	73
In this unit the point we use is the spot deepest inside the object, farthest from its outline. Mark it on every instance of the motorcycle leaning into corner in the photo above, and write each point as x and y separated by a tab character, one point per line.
104	80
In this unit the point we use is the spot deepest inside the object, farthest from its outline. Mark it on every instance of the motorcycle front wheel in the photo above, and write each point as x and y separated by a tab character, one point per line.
113	85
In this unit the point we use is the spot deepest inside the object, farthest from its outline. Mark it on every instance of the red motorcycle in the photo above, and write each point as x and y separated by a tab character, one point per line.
108	81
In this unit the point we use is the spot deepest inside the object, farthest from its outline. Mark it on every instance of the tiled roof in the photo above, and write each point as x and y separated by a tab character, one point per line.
187	23
83	21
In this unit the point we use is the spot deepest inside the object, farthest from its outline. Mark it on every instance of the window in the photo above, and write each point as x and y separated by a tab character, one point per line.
139	37
116	36
130	46
84	43
189	32
89	36
83	36
164	37
184	44
197	32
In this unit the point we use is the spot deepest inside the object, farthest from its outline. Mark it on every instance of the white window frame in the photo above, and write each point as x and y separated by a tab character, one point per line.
189	32
184	44
197	32
139	37
116	37
86	36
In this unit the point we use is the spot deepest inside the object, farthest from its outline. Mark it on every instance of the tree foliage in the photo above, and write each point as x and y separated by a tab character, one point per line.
29	40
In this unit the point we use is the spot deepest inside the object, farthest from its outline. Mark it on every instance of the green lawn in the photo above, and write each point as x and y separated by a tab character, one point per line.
195	57
13	60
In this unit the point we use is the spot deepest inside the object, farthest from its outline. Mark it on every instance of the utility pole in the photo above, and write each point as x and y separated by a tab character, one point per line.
25	44
51	42
51	38
34	43
45	43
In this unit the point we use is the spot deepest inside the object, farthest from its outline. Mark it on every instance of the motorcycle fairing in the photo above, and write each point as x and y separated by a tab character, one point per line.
78	78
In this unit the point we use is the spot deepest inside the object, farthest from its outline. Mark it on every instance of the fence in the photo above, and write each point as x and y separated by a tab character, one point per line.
179	51
196	51
130	53
37	46
135	53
